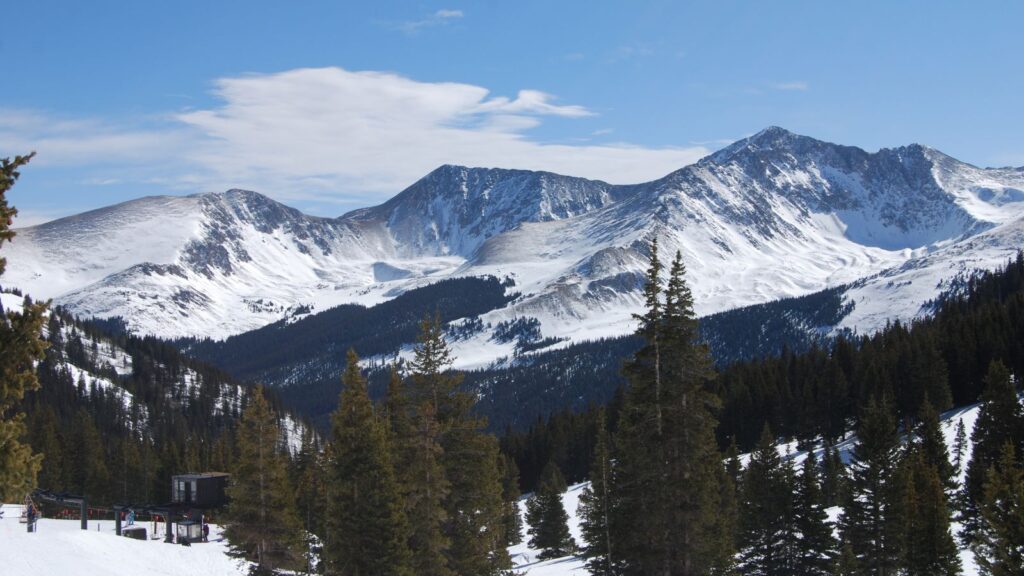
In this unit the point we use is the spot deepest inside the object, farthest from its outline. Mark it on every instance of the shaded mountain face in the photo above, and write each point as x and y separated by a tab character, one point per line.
770	216
452	210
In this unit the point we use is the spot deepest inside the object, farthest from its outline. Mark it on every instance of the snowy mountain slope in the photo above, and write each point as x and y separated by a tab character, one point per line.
770	216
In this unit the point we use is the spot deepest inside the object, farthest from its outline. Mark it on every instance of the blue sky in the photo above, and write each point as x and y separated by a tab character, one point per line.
328	106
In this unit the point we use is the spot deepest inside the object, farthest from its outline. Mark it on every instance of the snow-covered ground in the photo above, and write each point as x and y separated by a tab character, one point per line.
60	547
525	558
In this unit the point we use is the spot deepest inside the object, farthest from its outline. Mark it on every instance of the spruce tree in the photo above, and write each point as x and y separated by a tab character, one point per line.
426	488
546	516
595	507
368	527
666	484
833	479
932	444
20	346
869	525
998	544
510	493
1000	420
90	476
469	457
959	448
309	487
816	550
927	546
416	445
699	541
262	525
767	511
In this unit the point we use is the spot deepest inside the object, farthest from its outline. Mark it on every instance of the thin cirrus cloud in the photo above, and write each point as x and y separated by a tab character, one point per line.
797	85
439	18
333	135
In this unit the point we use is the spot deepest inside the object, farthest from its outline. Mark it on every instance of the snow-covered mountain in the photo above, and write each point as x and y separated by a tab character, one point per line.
770	216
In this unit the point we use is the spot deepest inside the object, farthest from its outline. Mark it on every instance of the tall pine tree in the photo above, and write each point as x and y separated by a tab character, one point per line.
998	544
595	506
262	525
869	525
513	523
932	444
666	482
469	457
1000	420
416	444
20	347
816	551
926	545
766	522
368	531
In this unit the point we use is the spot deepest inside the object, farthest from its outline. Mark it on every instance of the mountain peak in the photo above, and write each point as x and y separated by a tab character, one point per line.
769	138
772	134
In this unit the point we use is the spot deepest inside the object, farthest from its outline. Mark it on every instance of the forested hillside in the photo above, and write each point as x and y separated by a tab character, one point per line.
116	416
820	393
302	358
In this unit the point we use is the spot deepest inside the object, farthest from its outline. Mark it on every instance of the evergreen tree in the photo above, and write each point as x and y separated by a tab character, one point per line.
700	539
513	523
426	489
309	497
1000	420
549	523
927	546
959	447
998	545
666	483
595	507
469	457
766	521
833	480
20	347
262	525
816	550
89	473
368	528
868	523
416	444
932	444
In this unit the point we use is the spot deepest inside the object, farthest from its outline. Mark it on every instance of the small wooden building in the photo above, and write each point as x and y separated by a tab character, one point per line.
206	490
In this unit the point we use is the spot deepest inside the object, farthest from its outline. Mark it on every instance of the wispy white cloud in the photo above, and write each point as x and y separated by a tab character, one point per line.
631	52
333	135
439	18
798	85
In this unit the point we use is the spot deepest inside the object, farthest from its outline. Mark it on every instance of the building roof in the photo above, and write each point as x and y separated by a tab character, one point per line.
197	475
